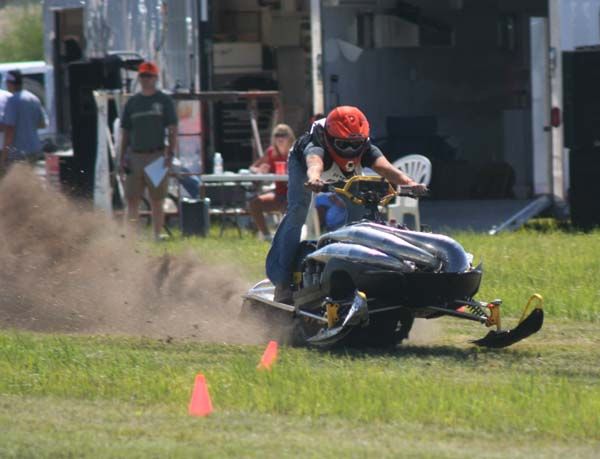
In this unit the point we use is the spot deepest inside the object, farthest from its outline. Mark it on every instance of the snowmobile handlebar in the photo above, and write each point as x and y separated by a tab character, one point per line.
366	189
411	191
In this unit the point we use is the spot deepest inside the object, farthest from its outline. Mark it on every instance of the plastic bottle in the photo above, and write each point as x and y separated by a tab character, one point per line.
218	163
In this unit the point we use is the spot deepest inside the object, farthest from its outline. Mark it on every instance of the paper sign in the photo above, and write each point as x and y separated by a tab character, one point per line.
156	171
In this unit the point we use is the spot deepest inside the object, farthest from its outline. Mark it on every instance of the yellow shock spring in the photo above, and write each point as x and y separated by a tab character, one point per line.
332	314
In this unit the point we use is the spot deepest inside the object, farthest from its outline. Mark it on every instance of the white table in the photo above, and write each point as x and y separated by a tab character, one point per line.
312	220
240	178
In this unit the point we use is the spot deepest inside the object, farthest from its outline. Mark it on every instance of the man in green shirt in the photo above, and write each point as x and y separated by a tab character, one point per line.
146	117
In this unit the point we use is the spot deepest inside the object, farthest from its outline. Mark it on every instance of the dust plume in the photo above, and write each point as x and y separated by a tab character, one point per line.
66	268
424	332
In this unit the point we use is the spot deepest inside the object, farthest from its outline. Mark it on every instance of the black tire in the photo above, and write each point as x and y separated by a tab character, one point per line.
383	331
303	329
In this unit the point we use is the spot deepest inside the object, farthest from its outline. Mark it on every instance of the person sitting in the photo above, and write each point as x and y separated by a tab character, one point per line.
282	139
332	211
335	148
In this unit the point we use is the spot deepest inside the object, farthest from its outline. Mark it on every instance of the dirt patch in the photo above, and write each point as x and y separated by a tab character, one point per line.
424	332
66	268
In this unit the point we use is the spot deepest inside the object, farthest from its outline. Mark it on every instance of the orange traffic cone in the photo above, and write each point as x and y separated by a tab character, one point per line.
200	404
269	356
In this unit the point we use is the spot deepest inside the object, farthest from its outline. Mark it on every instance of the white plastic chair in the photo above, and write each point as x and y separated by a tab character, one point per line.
418	168
311	229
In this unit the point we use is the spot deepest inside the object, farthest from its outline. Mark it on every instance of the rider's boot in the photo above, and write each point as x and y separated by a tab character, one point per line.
283	294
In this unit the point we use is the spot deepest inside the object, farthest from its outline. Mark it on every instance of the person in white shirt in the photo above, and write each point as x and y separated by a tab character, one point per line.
4	96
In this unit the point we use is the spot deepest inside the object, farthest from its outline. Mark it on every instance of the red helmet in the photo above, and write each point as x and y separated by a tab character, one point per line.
346	136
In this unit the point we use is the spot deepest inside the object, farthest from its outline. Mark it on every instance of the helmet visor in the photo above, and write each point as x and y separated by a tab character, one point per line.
348	148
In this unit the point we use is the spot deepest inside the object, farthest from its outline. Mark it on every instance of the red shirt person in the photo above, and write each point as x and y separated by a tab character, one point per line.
282	139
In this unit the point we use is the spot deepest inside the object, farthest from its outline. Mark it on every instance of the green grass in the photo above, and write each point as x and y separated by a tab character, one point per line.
563	267
136	392
21	32
54	428
82	396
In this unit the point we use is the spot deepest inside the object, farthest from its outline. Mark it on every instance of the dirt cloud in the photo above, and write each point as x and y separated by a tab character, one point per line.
68	269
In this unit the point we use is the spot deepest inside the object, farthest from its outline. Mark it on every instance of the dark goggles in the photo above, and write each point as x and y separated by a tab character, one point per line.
348	147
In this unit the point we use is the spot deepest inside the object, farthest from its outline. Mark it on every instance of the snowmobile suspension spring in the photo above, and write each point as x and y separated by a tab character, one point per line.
476	309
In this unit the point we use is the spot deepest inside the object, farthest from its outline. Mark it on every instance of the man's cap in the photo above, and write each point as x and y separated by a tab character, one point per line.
149	68
15	77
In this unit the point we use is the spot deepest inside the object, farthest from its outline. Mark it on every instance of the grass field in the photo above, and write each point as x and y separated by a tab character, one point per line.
563	267
21	31
81	396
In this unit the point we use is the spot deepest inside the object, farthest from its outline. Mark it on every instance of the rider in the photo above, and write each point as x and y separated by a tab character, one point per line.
336	148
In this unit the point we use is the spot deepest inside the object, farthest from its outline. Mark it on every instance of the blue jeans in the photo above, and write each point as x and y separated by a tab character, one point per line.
285	244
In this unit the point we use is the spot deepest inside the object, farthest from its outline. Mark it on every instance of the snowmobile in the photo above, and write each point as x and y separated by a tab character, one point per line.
366	282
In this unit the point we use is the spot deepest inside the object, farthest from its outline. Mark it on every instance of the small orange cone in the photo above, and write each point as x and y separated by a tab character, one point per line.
269	356
200	404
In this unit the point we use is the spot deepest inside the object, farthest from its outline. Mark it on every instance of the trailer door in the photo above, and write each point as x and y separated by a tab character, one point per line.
540	106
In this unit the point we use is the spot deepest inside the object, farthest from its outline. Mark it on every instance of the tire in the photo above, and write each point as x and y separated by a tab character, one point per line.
383	331
302	329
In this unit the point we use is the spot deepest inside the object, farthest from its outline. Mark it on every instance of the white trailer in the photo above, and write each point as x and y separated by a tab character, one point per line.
489	71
